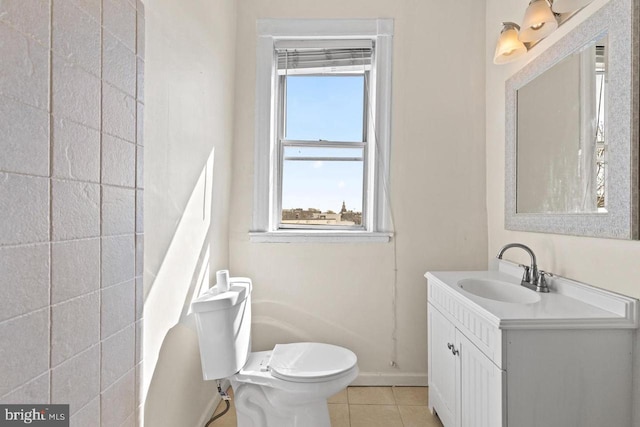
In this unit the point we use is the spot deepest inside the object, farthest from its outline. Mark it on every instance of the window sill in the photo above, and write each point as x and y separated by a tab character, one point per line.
319	236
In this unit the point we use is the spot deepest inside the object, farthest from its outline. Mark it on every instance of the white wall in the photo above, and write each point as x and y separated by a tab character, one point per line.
606	263
70	169
188	132
342	293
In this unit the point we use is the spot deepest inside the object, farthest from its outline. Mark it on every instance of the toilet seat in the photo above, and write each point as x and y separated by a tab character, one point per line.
293	367
310	362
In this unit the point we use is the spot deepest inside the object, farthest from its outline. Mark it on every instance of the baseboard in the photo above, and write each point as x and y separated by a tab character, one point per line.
386	379
212	405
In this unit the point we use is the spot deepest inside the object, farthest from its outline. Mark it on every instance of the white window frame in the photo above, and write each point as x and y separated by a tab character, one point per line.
266	218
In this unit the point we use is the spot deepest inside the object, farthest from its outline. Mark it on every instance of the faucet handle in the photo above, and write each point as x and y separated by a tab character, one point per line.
541	285
526	276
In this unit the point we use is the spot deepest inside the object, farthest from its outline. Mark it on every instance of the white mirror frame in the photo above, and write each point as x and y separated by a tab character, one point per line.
619	20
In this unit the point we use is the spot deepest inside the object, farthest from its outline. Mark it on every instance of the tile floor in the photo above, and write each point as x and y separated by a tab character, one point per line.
368	407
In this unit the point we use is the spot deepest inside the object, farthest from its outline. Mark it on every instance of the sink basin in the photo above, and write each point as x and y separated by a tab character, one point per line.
499	291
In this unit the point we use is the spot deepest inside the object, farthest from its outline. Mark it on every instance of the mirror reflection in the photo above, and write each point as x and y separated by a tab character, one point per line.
561	151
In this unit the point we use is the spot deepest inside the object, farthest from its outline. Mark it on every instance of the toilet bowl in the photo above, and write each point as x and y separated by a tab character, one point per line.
284	387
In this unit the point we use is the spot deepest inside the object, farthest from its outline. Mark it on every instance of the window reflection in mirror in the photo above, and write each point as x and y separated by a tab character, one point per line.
561	160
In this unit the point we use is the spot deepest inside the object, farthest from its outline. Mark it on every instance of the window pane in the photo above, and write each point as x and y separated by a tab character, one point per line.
311	153
313	192
324	107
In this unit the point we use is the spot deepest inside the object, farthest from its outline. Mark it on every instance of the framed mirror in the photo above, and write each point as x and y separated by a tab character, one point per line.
572	131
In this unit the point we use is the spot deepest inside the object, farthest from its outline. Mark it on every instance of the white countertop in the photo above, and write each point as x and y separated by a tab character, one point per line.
569	304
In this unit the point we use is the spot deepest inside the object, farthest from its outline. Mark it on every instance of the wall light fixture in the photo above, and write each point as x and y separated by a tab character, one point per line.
509	47
538	22
541	18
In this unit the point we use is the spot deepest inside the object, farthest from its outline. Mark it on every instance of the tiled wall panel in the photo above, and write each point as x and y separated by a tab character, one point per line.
24	138
26	269
24	67
76	151
71	242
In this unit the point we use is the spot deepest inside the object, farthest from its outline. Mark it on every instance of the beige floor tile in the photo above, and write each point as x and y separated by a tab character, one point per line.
339	397
339	413
418	416
370	396
409	396
374	416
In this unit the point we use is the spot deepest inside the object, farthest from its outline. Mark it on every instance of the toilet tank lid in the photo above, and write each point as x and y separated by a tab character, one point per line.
213	300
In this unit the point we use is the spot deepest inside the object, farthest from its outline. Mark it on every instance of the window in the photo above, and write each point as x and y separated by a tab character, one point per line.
322	130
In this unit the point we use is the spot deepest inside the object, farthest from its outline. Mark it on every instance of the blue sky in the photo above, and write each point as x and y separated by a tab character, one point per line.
328	108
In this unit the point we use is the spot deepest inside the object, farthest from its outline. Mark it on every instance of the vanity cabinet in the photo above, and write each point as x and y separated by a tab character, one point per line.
445	377
564	361
465	386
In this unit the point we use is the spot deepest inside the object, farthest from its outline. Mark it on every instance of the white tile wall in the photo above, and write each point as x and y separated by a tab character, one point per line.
118	259
76	36
89	415
140	123
75	326
75	211
76	93
31	17
36	390
118	162
119	64
118	113
24	138
130	421
139	337
139	371
139	255
140	24
139	211
118	210
118	356
70	210
75	269
140	78
24	68
26	270
118	308
92	7
118	401
140	167
24	359
76	151
77	380
24	209
120	20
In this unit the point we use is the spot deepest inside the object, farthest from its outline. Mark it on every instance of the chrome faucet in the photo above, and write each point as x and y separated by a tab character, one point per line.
531	278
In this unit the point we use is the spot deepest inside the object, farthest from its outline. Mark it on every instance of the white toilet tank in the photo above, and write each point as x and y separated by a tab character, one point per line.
223	321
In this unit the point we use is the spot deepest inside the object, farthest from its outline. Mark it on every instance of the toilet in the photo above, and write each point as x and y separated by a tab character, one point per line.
284	387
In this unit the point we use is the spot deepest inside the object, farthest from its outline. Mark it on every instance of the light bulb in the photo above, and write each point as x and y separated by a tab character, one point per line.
509	47
539	21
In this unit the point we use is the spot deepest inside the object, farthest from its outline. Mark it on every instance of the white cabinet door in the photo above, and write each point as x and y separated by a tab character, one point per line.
443	368
481	387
